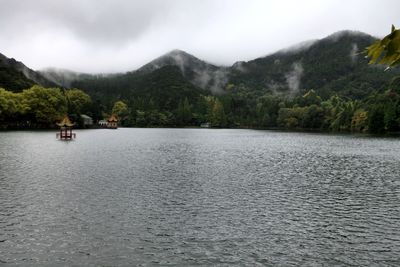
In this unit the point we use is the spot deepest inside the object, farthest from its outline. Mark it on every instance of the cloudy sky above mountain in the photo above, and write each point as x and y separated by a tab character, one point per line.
120	35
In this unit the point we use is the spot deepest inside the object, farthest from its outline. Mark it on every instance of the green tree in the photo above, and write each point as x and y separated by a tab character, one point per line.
311	98
10	105
359	122
218	114
291	118
209	103
267	109
313	117
187	110
342	115
390	118
387	50
122	111
44	106
141	118
78	101
376	123
184	113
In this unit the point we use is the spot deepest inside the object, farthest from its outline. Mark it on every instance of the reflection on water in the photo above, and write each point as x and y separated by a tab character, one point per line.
199	197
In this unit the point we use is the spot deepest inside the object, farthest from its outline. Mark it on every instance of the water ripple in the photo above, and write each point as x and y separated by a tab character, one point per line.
199	197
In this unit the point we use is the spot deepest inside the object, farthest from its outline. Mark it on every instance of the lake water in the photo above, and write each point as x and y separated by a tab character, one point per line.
185	197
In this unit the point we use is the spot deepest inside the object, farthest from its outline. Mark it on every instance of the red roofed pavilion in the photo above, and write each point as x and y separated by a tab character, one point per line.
112	122
65	129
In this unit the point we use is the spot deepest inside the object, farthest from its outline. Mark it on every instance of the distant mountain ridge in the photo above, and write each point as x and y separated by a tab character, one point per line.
198	72
334	64
329	65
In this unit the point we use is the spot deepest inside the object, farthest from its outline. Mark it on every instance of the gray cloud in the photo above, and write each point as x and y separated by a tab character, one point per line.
104	22
119	35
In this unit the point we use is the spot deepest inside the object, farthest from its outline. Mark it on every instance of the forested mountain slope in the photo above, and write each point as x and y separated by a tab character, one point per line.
15	76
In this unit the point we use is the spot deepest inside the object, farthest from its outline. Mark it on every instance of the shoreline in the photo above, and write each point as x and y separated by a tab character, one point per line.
274	129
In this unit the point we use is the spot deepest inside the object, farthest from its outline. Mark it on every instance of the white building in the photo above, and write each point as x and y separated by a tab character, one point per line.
87	121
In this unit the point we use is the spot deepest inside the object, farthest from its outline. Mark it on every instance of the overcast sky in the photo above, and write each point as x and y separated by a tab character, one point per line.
122	35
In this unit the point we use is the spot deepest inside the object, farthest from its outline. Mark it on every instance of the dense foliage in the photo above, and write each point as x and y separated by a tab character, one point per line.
378	113
387	50
333	65
40	107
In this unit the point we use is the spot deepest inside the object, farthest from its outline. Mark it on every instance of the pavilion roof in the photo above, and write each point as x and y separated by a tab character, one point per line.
113	118
66	122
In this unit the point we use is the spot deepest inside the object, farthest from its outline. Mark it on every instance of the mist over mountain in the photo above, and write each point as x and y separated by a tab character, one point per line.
331	65
62	77
198	72
334	64
65	78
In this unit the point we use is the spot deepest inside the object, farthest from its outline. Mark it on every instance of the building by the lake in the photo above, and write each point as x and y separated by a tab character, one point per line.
112	122
86	120
102	123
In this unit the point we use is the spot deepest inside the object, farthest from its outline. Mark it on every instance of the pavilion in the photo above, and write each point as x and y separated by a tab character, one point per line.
66	129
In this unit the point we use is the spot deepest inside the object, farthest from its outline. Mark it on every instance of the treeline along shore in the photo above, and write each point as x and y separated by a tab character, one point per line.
40	108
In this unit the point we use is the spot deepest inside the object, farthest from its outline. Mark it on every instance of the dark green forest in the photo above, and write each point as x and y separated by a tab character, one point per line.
325	86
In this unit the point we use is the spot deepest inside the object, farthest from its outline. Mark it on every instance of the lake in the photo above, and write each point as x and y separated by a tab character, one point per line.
185	197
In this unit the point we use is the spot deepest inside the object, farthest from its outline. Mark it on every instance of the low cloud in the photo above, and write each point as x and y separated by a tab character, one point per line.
240	66
119	35
299	47
214	80
353	53
293	78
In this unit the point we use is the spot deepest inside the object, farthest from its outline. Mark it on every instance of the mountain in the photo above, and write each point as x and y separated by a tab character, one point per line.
165	86
168	78
15	76
331	65
198	72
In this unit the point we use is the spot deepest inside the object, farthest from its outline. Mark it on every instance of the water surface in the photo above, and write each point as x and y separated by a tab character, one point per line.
185	197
